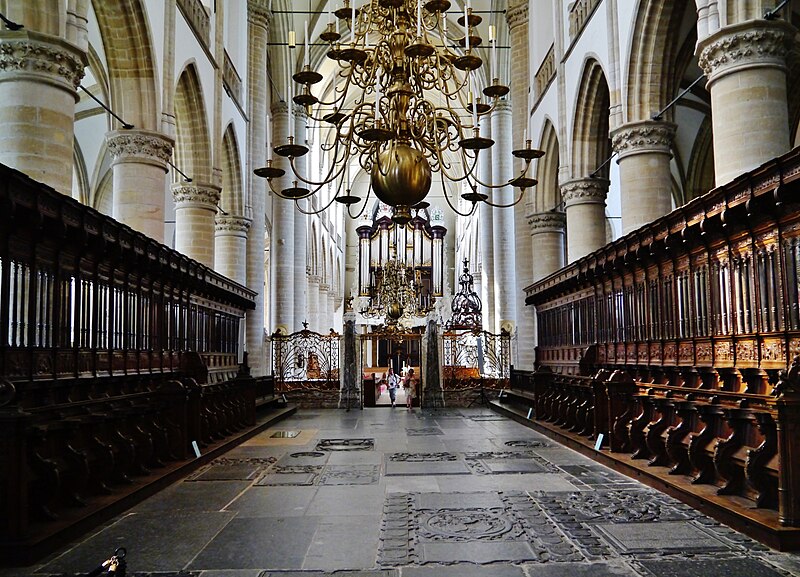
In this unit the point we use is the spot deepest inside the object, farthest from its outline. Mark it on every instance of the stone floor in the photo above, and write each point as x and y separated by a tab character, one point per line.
388	493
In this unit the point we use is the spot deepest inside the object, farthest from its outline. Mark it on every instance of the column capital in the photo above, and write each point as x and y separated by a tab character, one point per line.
258	13
140	146
503	106
31	55
232	224
279	107
643	137
552	221
517	15
314	279
324	287
752	44
196	195
585	191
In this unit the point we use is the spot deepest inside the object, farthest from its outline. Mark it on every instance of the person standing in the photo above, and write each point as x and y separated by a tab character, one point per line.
391	384
410	385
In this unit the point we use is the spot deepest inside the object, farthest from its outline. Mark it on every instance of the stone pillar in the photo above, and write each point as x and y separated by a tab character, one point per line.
140	160
505	262
547	231
258	19
351	371
325	310
195	209
517	18
484	273
231	247
432	395
39	79
282	245
585	202
746	69
300	228
643	154
313	309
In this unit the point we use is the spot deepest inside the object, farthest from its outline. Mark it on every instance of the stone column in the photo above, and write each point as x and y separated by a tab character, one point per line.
517	18
258	19
282	245
585	202
484	274
313	310
505	262
195	209
140	160
325	310
547	231
231	247
39	79
746	69
643	154
300	228
351	371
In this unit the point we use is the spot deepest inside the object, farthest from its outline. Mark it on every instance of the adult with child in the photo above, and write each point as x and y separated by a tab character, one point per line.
391	384
410	385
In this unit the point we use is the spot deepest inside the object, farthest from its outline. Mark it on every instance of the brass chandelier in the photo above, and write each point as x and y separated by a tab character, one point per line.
415	108
395	293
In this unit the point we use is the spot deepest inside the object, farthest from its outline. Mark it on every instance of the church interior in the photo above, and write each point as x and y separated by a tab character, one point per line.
399	288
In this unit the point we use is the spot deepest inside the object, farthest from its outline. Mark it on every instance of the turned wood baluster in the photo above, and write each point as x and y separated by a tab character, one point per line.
755	468
724	449
637	435
699	458
677	450
653	433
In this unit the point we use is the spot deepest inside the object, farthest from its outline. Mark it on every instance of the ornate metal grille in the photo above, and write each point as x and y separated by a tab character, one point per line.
460	358
306	360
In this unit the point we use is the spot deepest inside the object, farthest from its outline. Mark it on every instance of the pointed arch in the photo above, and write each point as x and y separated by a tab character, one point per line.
591	145
658	34
128	46
548	193
232	197
192	144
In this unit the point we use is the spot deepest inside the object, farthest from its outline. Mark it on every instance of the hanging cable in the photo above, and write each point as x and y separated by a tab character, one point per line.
179	171
10	24
660	113
125	125
772	14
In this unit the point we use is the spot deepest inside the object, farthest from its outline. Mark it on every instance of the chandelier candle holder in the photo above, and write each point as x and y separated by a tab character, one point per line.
413	108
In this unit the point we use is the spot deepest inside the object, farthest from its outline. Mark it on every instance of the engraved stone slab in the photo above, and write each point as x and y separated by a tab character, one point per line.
664	536
512	466
345	444
426	468
314	458
423	431
527	444
350	475
226	473
706	568
303	475
480	552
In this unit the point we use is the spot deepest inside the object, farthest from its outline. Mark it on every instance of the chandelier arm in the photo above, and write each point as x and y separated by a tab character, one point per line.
453	208
521	194
363	207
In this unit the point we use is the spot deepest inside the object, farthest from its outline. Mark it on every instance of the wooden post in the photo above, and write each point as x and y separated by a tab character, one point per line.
788	427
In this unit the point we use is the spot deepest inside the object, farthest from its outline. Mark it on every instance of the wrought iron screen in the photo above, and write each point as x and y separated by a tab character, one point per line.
306	360
460	367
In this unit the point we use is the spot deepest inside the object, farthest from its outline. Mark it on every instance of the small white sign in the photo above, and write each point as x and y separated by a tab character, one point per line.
530	410
599	442
196	449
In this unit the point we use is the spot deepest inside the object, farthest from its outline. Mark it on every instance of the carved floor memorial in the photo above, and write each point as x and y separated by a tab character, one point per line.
446	493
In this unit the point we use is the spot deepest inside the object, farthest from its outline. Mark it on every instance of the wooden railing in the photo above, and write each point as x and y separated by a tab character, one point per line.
580	11
117	353
674	342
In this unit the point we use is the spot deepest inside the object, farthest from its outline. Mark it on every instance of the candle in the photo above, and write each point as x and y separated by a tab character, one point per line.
308	59
329	11
466	27
474	102
269	138
419	18
524	136
353	21
290	129
493	40
377	95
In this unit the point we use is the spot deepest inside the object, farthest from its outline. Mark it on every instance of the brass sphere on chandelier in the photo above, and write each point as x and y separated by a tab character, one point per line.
401	178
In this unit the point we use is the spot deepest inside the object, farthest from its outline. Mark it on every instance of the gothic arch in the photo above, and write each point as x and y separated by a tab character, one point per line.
657	38
131	66
548	193
192	145
591	145
232	197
